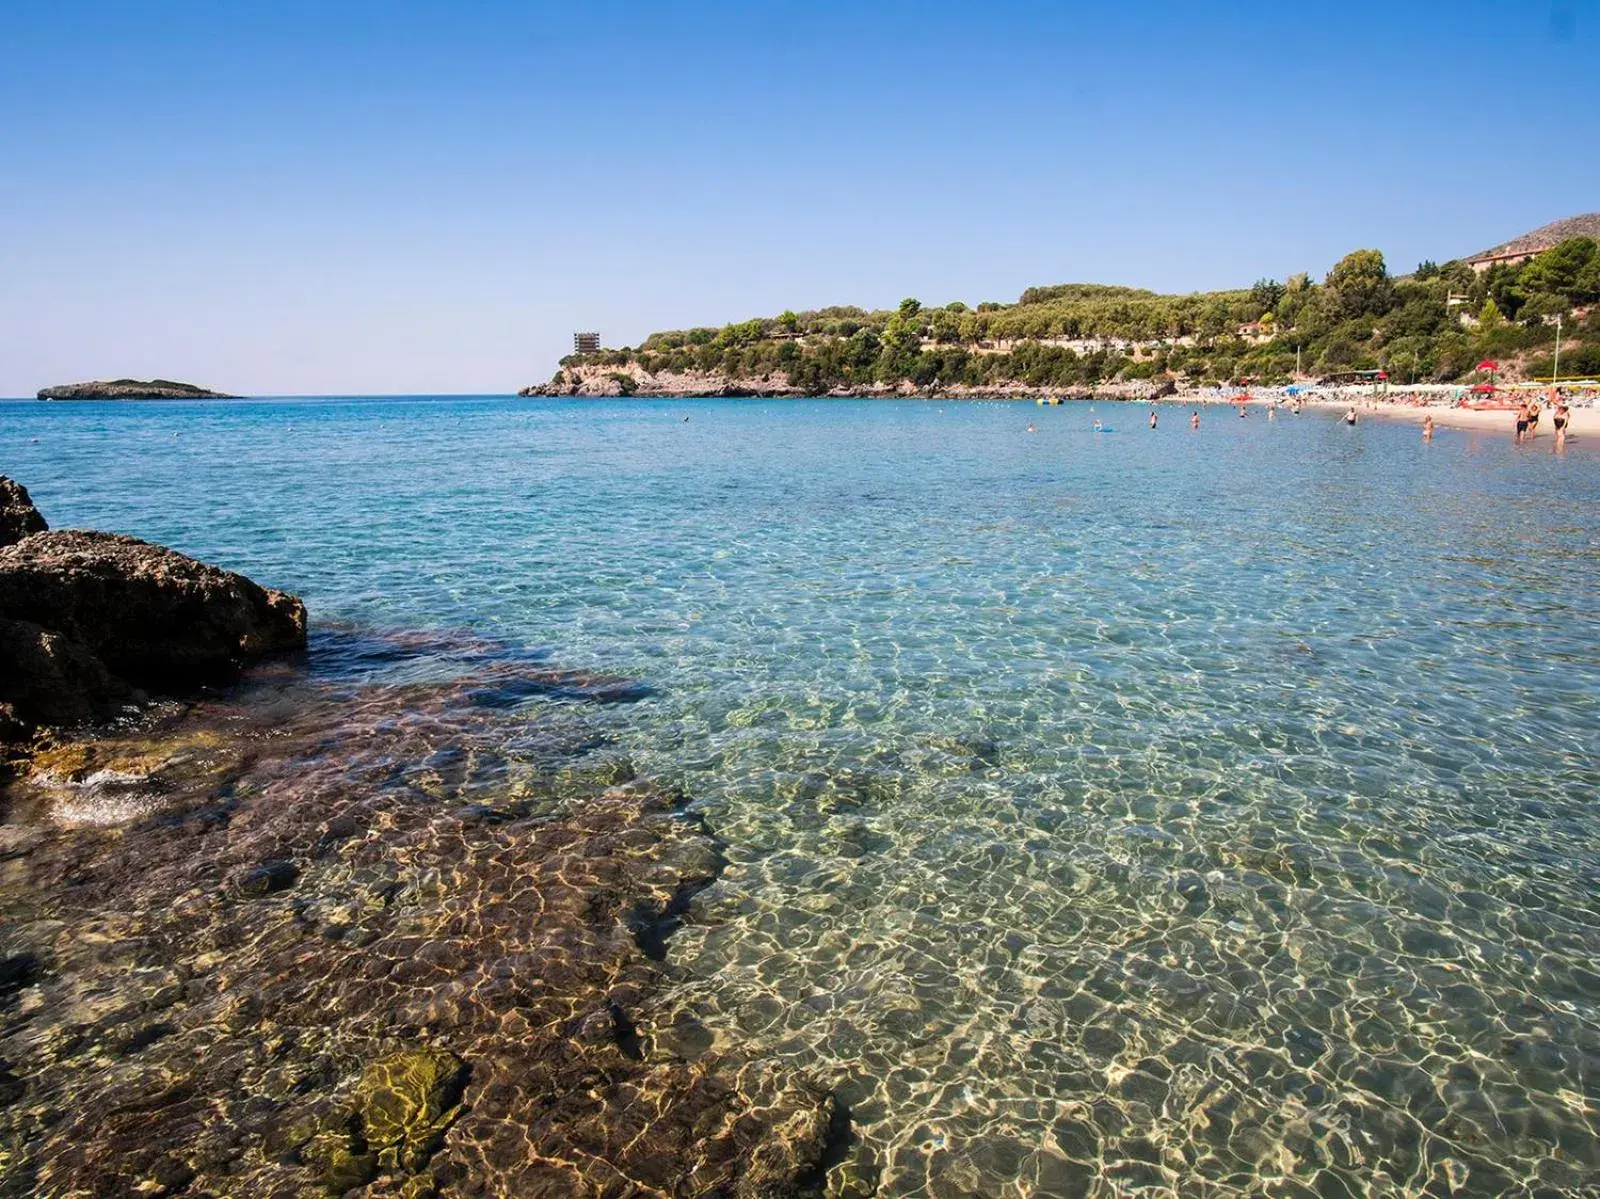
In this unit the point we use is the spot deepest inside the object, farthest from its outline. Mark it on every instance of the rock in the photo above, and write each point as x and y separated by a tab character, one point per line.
18	517
131	389
407	1102
12	1088
265	879
793	1150
151	615
52	679
347	1170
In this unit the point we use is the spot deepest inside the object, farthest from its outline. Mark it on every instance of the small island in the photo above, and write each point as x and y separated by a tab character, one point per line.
131	389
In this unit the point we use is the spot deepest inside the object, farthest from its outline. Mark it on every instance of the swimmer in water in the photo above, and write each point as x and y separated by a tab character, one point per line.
1031	429
1097	424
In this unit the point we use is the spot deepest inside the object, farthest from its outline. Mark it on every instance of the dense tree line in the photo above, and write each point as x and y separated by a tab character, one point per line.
1434	325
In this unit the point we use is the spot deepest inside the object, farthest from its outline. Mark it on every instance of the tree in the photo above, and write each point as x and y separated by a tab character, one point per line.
1490	317
1265	294
1361	282
1570	270
789	321
1426	269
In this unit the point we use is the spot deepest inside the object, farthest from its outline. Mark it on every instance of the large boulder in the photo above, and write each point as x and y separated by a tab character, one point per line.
50	678
18	517
157	618
90	621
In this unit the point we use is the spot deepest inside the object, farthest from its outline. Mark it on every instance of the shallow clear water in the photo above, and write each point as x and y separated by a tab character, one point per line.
1207	813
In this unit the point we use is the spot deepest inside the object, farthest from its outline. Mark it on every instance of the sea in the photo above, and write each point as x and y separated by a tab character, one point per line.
1143	811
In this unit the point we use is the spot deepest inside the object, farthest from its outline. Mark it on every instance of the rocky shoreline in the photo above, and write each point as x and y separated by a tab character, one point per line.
308	935
598	382
131	389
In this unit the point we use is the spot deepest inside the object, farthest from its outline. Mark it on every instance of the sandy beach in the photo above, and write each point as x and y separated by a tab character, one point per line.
1584	421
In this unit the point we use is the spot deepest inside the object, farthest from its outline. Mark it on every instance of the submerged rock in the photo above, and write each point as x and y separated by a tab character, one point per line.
407	1101
18	517
318	1042
265	879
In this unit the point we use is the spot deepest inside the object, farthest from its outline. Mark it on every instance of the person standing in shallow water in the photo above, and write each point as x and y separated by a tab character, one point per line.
1427	427
1194	419
1559	419
1350	415
1152	418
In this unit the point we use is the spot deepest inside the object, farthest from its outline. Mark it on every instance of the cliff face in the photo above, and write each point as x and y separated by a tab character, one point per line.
131	389
595	382
631	379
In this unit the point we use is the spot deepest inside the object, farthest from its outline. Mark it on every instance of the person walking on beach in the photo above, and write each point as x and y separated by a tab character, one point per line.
1152	418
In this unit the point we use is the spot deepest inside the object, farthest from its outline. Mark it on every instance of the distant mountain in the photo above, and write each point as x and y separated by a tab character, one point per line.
1541	239
131	389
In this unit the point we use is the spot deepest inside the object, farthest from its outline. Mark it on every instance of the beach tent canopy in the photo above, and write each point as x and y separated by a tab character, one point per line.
1486	365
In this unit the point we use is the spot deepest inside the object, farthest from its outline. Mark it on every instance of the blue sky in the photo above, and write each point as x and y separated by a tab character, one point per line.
349	197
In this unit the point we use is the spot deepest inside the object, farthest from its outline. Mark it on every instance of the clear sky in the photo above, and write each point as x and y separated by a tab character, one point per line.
358	196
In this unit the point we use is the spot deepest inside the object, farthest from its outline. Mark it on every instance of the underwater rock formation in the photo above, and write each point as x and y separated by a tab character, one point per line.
375	939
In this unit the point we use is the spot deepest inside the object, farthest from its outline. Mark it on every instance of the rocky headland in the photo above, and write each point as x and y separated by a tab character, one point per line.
309	935
131	389
592	381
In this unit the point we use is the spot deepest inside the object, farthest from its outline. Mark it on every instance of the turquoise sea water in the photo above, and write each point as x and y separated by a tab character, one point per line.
1161	812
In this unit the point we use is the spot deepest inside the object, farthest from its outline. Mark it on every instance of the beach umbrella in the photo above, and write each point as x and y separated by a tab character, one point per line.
1486	365
1483	387
1383	374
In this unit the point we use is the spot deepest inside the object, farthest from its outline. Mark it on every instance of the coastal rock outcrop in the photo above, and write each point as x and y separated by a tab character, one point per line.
18	517
88	620
131	389
599	381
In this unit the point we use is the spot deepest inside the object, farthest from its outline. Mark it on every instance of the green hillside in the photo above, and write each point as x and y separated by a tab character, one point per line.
1433	325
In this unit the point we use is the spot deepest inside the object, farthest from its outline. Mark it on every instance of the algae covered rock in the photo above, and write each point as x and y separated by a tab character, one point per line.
407	1101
